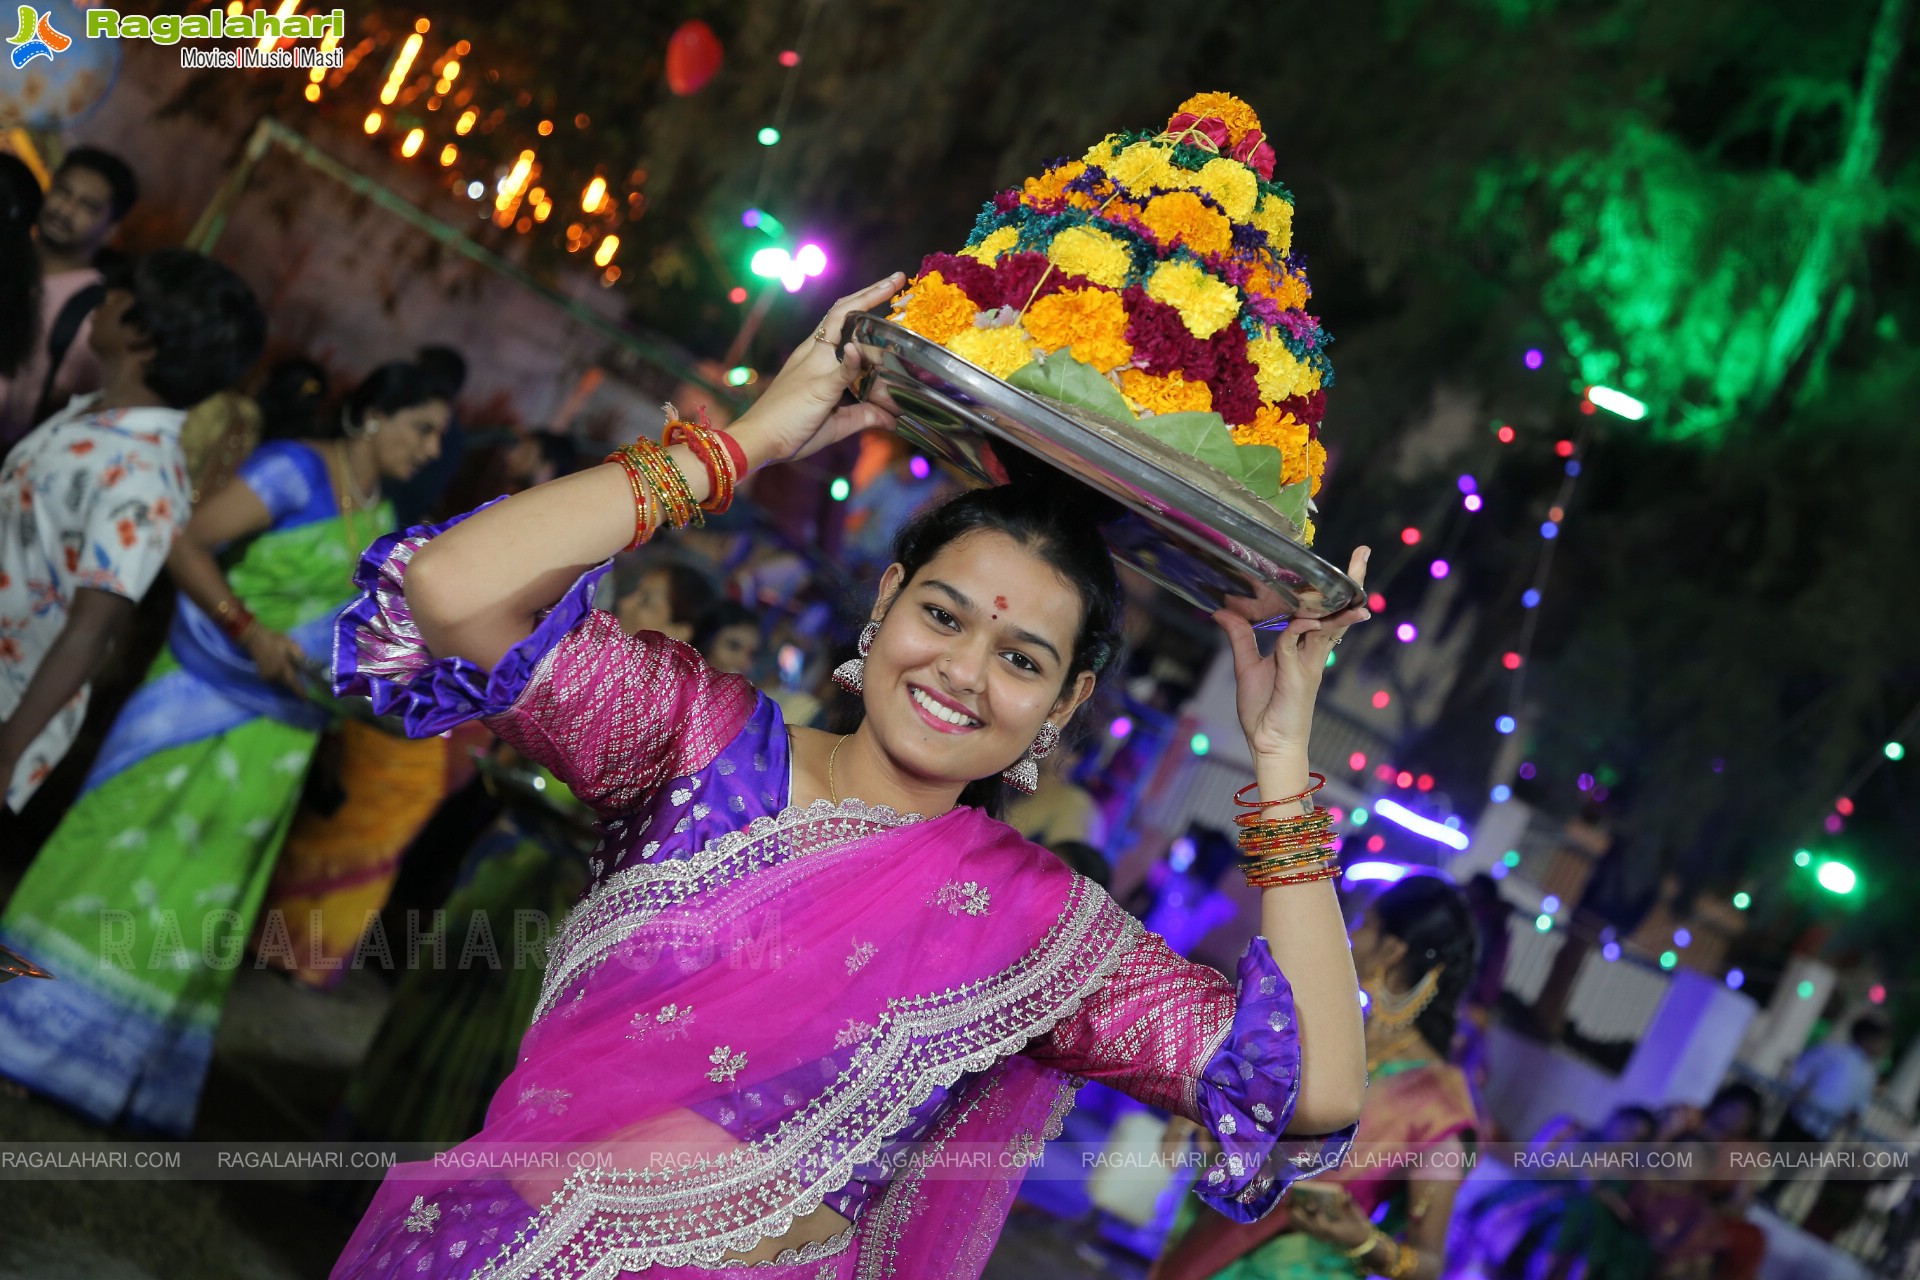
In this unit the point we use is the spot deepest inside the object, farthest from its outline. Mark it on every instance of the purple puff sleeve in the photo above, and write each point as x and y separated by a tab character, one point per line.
378	652
614	716
1176	1035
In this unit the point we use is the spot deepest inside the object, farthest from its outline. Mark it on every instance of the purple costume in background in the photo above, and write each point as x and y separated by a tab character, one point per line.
757	1007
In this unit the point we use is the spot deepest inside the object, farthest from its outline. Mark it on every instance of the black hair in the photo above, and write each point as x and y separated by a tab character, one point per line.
123	188
20	201
1431	917
690	593
446	368
1086	860
1055	519
293	401
728	613
1642	1116
1868	1027
203	321
392	387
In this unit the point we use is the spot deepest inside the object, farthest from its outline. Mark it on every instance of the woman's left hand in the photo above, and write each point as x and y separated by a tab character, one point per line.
1277	692
1333	1217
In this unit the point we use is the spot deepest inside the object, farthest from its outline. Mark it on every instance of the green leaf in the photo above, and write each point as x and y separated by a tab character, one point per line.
1257	466
1061	377
1292	503
1203	435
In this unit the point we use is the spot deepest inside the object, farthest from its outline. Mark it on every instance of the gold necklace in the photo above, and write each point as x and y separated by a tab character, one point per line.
1391	1050
835	795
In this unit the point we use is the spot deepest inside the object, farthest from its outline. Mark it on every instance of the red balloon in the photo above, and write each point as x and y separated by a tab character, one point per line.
693	55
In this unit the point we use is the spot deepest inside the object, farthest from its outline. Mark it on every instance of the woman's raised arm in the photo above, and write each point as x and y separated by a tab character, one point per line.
479	588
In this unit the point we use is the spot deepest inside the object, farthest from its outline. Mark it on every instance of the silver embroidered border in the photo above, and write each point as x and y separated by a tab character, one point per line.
701	1215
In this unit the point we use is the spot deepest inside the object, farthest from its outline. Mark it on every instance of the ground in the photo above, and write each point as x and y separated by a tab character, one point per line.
282	1054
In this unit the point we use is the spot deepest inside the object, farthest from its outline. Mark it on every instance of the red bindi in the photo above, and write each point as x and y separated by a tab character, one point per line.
999	602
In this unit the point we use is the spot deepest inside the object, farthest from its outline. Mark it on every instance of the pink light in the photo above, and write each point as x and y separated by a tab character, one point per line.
1472	502
1564	448
920	467
1877	994
1534	358
1439	568
1377	602
736	295
1120	728
1410	536
811	259
1510	660
1384	772
1833	824
1424	782
1380	699
1376	843
1403	780
1357	761
1407	632
1845	806
791	58
1584	782
1337	815
1506	434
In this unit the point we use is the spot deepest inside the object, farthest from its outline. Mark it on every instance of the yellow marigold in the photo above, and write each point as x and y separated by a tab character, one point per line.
1232	184
1278	373
1205	303
1169	393
1083	251
998	351
1275	217
996	243
1144	166
1293	293
1265	279
935	309
1052	184
1274	426
1180	215
1237	115
1306	534
1092	322
1104	150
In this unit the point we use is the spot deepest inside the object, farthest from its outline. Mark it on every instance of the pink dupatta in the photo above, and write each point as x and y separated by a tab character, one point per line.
755	1024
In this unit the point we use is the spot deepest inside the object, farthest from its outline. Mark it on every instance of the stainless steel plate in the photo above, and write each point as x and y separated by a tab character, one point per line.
1188	526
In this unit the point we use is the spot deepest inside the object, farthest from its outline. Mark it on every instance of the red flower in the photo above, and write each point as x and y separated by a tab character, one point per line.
163	509
1213	127
112	476
1310	408
10	649
1254	152
1235	385
129	532
73	559
1160	340
969	275
80	447
1025	278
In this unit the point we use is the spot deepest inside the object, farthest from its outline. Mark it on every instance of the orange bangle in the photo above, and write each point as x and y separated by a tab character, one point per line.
1319	781
705	444
1328	872
642	529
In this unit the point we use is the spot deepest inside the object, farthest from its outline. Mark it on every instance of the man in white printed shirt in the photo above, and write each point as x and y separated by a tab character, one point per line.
91	500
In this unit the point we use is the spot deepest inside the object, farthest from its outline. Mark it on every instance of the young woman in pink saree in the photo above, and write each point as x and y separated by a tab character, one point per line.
794	1024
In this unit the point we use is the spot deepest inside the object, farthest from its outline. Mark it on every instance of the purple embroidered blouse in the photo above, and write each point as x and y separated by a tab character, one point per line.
673	755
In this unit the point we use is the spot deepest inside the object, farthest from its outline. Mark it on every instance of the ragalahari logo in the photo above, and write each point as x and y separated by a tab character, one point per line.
37	38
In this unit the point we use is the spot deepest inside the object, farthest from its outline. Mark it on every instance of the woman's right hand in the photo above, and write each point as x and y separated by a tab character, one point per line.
278	657
800	413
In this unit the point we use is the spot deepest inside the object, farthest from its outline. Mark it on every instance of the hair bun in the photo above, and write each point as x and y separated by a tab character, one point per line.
1072	499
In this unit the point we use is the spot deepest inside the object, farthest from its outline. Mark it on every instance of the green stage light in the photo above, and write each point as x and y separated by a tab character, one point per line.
1617	402
1837	877
1895	751
1802	858
769	136
1741	901
739	376
840	489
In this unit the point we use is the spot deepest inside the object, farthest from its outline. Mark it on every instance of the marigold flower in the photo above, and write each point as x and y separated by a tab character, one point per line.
1165	393
1239	118
1090	322
935	309
1275	217
1142	167
1083	251
1204	302
998	351
996	243
1180	216
1232	184
1052	184
1103	151
1280	373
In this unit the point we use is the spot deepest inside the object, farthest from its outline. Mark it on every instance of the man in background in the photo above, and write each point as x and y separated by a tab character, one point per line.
92	191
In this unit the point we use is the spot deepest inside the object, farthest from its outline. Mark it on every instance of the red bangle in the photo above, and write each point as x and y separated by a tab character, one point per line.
1319	781
735	452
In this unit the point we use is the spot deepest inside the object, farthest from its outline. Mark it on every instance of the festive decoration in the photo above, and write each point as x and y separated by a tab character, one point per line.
1152	278
694	55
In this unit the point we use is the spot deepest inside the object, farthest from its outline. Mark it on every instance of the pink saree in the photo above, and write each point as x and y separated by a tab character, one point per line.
760	1009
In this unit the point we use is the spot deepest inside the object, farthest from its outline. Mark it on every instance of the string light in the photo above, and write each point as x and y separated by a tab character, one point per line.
594	196
604	254
464	125
448	154
372	122
401	65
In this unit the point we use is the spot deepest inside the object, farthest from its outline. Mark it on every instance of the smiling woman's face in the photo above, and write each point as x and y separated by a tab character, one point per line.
972	658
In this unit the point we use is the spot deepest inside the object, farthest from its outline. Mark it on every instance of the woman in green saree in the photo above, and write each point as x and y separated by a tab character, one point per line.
143	898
